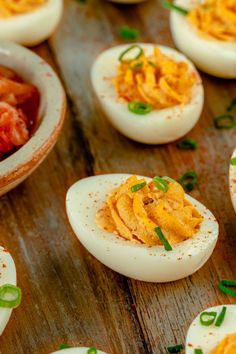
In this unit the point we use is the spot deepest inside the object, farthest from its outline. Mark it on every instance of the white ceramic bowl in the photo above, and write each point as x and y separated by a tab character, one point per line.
232	182
15	168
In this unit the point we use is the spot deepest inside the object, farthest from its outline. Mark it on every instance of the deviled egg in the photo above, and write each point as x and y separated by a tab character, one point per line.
29	22
146	229
213	331
82	350
151	94
206	33
10	295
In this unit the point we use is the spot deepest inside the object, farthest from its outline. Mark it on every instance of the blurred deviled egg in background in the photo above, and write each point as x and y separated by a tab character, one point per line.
205	31
151	94
82	350
29	22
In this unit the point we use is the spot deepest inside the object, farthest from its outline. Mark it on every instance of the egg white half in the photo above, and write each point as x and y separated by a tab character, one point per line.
232	182
214	57
156	127
208	337
7	276
33	27
82	350
137	261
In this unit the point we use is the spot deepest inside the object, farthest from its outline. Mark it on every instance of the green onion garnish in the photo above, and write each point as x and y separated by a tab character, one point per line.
207	318
187	144
10	296
162	238
92	351
224	284
231	105
168	179
221	317
175	349
129	34
198	351
233	161
139	107
64	346
161	184
137	187
189	180
226	121
128	50
170	6
137	65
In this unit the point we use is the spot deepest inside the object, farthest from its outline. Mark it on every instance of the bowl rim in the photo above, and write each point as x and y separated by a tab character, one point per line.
232	181
27	157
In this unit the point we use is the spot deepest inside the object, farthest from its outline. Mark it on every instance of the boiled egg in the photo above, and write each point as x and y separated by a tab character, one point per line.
135	259
160	125
213	339
7	276
31	28
82	350
212	55
232	179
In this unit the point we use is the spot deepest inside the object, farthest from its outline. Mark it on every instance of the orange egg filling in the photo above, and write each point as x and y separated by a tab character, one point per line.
216	19
135	215
226	346
155	79
10	8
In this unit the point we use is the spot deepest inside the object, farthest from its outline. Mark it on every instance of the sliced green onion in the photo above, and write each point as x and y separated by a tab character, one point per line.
187	144
161	184
198	351
207	318
137	65
137	187
168	179
189	180
175	349
168	5
129	34
92	351
225	121
162	238
64	346
224	284
231	105
128	50
10	296
139	108
221	317
233	161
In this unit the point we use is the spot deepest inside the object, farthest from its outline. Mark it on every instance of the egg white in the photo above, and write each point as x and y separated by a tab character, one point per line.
82	350
156	127
212	56
7	276
33	27
208	337
232	182
137	261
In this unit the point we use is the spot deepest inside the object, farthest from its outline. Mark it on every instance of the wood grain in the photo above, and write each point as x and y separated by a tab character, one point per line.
69	297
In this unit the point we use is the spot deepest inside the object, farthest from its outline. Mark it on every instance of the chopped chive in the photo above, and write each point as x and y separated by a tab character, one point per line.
187	144
128	33
10	296
162	238
175	349
233	161
224	284
132	47
139	107
170	6
92	351
221	317
189	180
225	121
64	346
161	184
198	351
207	318
137	187
231	105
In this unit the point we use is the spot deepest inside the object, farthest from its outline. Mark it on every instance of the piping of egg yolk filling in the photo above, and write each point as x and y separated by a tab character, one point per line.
215	19
226	346
156	79
134	209
9	8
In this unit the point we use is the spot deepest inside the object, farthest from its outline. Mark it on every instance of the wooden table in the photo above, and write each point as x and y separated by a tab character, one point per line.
68	296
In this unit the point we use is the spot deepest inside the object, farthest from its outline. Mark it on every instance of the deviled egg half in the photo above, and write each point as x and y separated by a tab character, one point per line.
146	229
81	350
29	22
151	94
205	31
213	331
232	179
10	295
